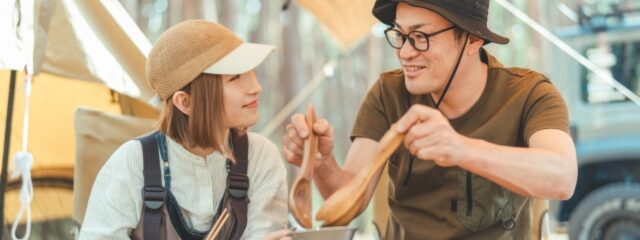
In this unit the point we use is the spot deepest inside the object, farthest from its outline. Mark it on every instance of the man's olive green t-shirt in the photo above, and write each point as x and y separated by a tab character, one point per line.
514	104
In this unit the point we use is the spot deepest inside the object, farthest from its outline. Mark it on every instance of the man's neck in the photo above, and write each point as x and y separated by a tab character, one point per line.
465	90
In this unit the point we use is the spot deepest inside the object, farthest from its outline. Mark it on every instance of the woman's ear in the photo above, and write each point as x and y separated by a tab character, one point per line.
182	101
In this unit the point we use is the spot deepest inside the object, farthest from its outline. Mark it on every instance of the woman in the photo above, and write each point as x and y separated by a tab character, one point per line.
203	74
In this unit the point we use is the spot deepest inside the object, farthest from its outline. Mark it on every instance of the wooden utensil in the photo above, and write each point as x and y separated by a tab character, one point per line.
224	220
344	204
217	226
300	195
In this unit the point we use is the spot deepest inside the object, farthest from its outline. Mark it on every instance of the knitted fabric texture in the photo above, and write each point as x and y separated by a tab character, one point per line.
184	51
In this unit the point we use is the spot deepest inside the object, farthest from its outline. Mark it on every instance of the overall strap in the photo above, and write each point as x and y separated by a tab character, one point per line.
152	193
237	180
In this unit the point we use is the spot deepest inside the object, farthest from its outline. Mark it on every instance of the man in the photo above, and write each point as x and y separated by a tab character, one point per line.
481	142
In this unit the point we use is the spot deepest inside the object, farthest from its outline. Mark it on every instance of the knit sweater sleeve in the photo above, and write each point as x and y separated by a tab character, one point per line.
268	190
114	206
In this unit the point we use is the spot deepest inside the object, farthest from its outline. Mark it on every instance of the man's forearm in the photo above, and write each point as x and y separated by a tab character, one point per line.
328	176
531	172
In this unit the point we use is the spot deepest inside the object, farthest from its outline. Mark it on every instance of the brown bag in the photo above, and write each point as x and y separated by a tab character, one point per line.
155	221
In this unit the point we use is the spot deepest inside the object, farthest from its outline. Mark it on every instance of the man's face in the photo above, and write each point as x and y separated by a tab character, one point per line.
426	72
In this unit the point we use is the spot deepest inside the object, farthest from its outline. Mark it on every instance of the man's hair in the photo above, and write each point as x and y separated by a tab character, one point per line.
458	32
203	128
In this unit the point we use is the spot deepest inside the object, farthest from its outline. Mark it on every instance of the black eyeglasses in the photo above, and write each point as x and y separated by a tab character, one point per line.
419	40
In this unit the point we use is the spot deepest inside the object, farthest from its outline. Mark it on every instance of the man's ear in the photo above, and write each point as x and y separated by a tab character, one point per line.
182	101
474	45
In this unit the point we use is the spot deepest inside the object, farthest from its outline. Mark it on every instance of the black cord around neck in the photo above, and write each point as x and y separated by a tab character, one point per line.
437	105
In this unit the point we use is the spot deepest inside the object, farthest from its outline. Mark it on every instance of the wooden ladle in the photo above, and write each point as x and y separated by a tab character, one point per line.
344	204
300	195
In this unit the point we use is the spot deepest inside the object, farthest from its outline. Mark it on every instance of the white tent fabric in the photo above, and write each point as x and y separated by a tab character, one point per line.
16	34
93	41
86	40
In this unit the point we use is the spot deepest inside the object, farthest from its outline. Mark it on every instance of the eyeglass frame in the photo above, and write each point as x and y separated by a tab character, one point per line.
411	40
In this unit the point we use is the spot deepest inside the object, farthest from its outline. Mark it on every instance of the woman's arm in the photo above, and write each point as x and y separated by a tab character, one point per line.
267	210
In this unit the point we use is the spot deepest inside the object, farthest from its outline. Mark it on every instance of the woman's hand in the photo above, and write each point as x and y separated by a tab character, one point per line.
279	235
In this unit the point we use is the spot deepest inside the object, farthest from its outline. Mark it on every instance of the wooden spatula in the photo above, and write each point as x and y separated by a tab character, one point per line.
343	205
300	195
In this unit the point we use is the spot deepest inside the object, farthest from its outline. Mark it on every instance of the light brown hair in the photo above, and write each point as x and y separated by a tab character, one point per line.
204	127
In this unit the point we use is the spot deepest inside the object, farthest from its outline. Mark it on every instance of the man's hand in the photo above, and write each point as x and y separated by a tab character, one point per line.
297	131
429	136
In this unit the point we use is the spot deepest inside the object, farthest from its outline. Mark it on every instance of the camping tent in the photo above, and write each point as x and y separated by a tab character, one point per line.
81	53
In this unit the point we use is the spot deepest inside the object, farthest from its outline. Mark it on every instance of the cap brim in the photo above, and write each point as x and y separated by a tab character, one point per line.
245	57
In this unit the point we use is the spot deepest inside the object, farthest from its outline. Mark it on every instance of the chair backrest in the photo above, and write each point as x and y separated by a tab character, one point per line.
540	225
98	135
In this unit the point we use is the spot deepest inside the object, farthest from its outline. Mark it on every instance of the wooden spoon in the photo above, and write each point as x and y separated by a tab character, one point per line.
344	204
300	195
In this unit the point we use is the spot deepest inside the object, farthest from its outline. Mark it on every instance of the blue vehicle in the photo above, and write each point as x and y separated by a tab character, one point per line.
605	123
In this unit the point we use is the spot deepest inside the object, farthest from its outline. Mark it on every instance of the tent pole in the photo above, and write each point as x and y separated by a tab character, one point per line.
6	149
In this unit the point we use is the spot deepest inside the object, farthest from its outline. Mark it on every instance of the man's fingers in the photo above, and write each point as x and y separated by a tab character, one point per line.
323	128
426	153
293	147
421	143
419	131
437	154
325	137
293	136
300	125
416	113
291	157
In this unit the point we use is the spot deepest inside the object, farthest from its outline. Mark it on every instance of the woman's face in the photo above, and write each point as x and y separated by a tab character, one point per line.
240	93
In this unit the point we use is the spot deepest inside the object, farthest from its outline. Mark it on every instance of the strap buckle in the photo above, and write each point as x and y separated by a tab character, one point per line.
509	223
153	197
238	185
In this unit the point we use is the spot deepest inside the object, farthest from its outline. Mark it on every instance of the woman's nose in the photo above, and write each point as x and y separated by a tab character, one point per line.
253	85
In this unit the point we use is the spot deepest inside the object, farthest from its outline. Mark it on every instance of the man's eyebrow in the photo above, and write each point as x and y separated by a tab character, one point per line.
413	27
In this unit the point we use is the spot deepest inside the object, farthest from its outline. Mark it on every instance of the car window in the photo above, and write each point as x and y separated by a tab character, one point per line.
622	61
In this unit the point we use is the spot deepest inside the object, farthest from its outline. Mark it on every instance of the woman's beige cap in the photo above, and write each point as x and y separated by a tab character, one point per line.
193	47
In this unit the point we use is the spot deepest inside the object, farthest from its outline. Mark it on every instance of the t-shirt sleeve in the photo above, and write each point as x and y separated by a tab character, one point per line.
371	121
545	109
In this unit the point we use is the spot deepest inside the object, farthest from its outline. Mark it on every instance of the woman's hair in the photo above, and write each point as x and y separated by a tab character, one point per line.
204	128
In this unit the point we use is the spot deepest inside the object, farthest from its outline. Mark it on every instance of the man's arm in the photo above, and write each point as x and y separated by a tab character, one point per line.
547	169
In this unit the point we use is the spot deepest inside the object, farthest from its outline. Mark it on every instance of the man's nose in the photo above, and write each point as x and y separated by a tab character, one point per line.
407	50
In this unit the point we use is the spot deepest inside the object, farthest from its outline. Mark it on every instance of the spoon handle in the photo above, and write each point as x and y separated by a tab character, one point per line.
300	202
344	204
387	145
310	146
